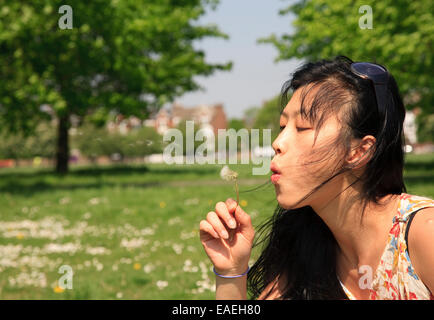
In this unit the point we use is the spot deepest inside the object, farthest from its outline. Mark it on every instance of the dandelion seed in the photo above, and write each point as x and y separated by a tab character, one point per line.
229	175
119	295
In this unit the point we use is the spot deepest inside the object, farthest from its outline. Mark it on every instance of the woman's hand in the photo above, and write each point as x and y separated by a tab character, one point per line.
227	237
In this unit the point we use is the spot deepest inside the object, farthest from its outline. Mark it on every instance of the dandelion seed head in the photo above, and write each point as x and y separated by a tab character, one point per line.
228	174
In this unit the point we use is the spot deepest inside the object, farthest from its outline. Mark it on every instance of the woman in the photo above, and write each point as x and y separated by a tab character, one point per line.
341	227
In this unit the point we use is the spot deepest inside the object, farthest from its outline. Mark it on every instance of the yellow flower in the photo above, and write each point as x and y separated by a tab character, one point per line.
136	266
20	236
58	289
162	204
243	203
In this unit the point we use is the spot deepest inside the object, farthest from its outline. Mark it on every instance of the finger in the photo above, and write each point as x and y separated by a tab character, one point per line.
231	205
206	227
217	224
222	211
245	222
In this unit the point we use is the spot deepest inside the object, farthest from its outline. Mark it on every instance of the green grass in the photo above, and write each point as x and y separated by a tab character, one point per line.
127	232
157	206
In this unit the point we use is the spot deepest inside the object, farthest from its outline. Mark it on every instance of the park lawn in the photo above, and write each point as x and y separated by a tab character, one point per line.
127	232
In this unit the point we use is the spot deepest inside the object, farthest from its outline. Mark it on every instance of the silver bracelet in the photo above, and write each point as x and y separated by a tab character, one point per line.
231	277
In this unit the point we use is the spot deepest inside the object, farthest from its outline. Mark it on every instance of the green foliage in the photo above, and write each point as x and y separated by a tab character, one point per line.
19	146
236	124
268	116
401	38
97	141
250	116
131	56
425	125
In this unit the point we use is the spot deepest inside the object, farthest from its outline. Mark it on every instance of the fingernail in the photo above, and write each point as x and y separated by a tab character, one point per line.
232	223
225	234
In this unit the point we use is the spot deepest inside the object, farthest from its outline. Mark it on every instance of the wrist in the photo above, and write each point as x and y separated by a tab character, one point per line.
231	273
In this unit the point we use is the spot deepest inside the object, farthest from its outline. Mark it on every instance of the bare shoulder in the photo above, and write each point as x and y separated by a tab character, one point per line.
421	245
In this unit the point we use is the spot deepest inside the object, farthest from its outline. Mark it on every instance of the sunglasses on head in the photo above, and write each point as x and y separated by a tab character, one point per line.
379	77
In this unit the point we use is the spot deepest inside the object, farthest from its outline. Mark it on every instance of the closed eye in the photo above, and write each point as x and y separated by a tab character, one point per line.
302	129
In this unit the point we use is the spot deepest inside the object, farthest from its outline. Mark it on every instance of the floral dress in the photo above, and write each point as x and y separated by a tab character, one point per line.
395	278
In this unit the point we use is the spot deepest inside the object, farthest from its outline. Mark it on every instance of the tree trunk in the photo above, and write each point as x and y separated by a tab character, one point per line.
62	152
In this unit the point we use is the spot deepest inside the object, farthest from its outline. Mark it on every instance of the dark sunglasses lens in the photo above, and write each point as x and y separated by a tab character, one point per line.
368	69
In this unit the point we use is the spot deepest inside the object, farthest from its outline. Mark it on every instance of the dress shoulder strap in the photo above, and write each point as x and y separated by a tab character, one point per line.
413	206
412	203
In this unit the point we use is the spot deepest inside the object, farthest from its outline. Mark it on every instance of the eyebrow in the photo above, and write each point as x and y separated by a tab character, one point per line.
294	114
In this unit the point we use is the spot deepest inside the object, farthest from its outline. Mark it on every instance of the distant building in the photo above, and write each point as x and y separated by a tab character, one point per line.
205	116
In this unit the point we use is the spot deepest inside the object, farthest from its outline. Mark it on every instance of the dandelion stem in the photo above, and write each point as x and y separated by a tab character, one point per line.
236	190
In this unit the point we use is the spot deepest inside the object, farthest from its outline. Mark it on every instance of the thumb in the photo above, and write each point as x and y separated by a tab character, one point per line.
244	220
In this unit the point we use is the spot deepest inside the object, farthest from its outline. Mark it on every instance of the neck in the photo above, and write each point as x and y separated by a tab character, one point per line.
361	237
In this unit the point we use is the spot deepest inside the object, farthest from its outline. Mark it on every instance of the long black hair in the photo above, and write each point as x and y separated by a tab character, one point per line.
298	247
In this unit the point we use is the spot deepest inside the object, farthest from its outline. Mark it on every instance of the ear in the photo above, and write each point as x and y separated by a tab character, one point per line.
361	152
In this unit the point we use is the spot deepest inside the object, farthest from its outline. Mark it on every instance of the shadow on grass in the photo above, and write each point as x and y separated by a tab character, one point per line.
107	171
420	163
415	179
27	181
38	187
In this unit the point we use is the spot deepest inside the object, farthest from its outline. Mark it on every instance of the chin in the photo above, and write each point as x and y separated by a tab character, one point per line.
289	202
283	203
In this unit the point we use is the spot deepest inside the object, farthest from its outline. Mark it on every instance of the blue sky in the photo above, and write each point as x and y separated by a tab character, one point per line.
254	76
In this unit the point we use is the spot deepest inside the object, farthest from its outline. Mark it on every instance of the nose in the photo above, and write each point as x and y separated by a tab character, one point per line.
276	145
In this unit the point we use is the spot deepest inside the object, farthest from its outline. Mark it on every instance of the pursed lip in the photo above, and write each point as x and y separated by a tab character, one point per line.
276	173
274	168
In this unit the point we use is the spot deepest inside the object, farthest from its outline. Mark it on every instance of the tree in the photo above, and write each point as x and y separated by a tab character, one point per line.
268	116
401	38
250	116
131	56
236	124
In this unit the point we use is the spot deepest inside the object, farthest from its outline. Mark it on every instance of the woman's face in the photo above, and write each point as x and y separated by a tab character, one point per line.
294	149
